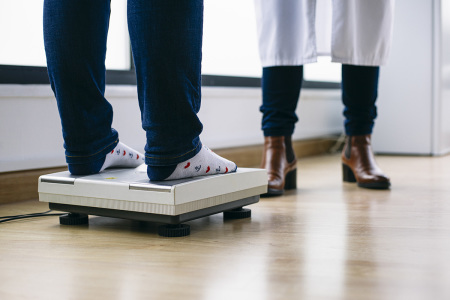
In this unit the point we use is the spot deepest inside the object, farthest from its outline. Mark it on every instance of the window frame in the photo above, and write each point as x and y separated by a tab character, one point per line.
13	74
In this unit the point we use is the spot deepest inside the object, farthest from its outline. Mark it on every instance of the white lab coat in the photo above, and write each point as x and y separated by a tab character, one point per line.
361	31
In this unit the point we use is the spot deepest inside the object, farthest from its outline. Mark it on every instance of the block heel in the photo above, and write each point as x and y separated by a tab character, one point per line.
291	180
347	174
281	173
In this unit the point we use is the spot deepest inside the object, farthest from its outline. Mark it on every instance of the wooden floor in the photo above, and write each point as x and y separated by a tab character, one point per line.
326	240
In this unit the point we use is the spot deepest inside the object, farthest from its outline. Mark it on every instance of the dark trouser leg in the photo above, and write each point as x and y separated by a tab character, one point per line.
166	38
359	93
75	44
281	90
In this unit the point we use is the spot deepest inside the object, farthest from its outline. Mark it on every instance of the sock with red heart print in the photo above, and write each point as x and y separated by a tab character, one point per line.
121	156
203	163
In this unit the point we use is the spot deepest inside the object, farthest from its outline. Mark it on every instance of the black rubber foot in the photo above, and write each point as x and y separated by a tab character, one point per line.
73	219
238	213
177	230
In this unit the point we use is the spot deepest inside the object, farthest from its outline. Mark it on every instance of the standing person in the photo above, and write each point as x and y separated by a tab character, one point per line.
360	41
166	40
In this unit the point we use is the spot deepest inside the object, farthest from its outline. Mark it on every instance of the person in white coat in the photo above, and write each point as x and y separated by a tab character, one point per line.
361	36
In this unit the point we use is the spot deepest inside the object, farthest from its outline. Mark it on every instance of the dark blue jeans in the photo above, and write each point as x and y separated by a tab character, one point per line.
166	40
281	89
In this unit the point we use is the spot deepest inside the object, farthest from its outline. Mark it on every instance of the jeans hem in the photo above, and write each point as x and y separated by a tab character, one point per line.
173	160
279	132
84	159
364	131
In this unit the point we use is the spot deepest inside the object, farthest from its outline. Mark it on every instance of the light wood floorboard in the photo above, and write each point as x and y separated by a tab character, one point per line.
325	240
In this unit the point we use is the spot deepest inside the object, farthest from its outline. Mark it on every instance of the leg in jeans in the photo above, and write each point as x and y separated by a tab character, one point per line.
166	39
75	44
75	34
359	93
281	90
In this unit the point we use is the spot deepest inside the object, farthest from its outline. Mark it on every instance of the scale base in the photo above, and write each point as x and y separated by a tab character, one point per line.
78	215
129	194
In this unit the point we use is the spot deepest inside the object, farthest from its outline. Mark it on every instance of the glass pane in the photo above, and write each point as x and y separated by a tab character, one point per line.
22	41
322	70
21	36
118	53
229	39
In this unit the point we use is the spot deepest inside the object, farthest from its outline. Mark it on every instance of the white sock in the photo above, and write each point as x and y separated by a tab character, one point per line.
203	163
123	156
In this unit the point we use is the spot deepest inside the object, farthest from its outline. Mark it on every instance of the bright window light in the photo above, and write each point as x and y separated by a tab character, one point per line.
22	41
230	46
322	70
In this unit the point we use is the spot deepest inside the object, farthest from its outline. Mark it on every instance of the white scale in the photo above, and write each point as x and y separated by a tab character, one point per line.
128	194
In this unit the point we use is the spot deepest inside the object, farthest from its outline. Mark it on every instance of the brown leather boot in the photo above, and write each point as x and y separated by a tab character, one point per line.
281	173
358	164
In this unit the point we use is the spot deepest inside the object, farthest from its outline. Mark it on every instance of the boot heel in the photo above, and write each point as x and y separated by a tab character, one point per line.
291	180
347	173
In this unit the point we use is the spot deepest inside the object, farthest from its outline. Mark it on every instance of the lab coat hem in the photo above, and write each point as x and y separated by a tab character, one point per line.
287	62
359	62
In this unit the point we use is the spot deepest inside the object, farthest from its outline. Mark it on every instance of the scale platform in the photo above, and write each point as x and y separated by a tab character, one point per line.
128	194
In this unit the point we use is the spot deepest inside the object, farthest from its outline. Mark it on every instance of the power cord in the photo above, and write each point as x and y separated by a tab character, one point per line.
34	215
337	147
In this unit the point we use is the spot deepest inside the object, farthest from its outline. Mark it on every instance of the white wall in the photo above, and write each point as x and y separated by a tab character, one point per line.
30	130
414	95
444	75
405	91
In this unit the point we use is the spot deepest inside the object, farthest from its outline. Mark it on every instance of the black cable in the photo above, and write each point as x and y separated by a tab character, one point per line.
34	215
45	212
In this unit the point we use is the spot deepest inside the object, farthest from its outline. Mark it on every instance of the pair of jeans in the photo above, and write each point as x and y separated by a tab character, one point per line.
166	41
281	90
